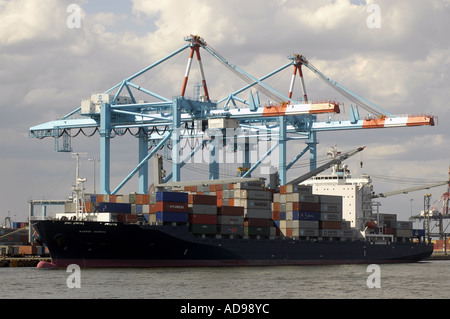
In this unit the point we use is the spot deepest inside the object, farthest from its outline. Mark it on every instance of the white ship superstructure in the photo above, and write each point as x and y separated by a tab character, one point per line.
356	192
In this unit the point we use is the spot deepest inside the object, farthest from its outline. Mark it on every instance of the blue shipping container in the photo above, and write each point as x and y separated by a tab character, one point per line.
282	215
172	197
305	215
171	217
418	232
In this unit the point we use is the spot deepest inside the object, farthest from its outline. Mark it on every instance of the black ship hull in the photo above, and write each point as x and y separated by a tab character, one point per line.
103	244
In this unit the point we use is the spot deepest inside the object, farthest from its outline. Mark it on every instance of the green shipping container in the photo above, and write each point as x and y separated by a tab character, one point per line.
254	231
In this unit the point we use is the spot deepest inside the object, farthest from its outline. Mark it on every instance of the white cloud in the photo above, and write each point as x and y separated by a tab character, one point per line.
47	68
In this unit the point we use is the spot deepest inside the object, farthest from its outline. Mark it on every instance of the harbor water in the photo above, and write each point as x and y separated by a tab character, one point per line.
423	280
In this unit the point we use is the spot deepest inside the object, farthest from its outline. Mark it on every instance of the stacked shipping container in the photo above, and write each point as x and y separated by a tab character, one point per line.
240	209
202	214
297	212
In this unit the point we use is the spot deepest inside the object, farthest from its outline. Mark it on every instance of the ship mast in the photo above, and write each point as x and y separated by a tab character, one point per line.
78	189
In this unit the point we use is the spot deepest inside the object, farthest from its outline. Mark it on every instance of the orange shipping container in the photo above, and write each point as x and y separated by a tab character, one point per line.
27	250
275	215
276	206
142	199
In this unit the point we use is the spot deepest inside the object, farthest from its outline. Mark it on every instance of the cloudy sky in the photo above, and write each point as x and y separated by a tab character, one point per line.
400	63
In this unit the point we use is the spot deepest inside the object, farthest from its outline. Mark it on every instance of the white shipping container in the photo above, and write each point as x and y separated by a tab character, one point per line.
289	207
289	215
292	197
276	197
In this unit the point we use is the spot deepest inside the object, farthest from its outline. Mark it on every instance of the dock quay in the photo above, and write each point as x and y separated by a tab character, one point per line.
22	261
439	256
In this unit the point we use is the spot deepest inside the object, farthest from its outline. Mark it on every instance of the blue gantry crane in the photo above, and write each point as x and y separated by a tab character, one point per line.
229	122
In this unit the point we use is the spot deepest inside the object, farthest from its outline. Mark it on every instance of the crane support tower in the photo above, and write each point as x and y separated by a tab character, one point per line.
281	120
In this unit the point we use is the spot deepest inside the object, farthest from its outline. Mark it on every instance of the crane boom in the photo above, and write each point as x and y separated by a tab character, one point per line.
407	190
320	169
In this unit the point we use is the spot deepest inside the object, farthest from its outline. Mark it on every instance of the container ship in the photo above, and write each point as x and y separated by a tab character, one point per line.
232	224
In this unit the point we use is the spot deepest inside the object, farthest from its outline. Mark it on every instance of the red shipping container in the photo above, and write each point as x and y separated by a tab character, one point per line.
203	219
127	218
257	222
283	189
330	224
309	207
219	194
202	199
231	210
171	207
